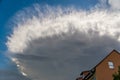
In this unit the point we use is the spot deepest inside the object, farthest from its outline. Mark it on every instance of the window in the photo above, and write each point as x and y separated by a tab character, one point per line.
111	65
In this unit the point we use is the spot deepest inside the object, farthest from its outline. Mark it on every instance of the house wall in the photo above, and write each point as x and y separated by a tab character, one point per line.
103	72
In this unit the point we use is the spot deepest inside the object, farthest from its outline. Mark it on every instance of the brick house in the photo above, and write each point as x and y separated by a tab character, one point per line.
103	70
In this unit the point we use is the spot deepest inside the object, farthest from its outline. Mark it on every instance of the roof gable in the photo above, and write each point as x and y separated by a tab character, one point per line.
113	52
91	72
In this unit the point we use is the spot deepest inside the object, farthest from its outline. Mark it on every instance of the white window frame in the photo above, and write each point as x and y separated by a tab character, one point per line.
111	65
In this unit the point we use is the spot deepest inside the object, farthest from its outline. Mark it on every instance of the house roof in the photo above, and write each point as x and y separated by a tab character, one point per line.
91	72
84	72
107	57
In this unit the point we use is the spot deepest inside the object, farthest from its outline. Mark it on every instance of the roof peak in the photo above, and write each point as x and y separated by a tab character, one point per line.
107	56
115	51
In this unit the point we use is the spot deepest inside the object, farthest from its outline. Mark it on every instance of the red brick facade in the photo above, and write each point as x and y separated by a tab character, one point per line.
105	69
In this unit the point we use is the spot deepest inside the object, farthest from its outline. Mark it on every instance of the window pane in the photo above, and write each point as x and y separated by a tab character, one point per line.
111	65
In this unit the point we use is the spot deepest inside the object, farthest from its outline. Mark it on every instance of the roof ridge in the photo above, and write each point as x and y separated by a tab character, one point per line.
106	57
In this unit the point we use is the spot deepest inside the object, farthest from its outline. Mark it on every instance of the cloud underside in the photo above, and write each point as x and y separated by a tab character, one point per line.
57	43
55	58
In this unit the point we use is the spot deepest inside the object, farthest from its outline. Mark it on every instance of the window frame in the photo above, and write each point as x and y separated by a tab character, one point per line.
111	65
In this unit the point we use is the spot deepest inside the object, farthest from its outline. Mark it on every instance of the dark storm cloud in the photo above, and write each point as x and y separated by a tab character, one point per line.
60	57
11	75
31	57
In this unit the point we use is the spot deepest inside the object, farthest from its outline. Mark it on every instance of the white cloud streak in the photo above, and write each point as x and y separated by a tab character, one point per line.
56	23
